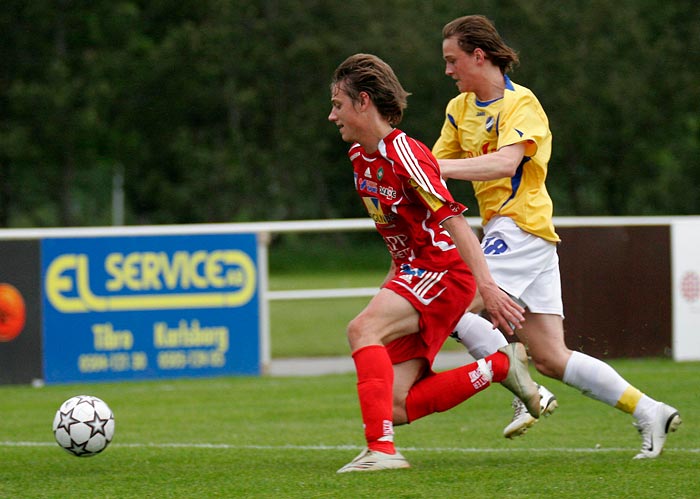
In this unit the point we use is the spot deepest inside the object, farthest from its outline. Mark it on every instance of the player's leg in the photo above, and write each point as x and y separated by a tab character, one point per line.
388	316
516	259
439	392
480	338
544	335
478	335
406	376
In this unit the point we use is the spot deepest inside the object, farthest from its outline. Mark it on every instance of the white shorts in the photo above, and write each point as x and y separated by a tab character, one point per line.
523	265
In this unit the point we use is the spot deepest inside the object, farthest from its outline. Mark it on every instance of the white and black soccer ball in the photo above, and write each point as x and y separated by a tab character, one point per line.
83	425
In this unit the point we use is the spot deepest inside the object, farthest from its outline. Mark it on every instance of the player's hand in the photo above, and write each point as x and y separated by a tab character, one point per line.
505	314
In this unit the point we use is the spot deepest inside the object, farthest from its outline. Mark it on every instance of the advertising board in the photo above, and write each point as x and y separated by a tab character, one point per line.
686	289
119	308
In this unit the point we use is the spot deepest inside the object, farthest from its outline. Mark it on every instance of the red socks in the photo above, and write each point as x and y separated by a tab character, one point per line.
442	391
375	381
499	365
434	393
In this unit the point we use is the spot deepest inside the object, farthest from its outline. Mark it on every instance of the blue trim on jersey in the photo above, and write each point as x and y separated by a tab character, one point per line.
515	181
485	103
509	84
452	120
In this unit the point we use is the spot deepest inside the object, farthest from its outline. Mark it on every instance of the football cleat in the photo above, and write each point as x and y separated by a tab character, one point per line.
654	430
522	420
372	460
518	379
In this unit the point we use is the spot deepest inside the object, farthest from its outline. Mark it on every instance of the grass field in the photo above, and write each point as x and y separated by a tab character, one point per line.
302	328
285	438
266	437
313	328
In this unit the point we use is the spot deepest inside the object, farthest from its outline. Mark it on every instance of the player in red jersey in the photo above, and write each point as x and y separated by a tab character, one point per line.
394	340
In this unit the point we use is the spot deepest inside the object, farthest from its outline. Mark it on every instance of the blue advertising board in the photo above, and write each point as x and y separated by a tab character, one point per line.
146	307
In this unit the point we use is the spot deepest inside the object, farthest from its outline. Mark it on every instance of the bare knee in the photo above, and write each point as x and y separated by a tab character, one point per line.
358	332
552	364
544	336
546	368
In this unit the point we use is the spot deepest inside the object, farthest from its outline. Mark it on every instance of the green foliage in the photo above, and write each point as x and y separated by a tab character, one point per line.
286	437
216	110
320	253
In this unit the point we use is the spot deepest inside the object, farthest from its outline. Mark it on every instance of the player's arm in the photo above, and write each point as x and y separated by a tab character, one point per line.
503	311
502	163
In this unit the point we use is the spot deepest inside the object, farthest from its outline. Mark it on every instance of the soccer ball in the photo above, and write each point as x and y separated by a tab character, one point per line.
83	425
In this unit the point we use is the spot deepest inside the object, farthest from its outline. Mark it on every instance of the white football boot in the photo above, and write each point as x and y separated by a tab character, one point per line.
518	380
372	460
664	419
522	420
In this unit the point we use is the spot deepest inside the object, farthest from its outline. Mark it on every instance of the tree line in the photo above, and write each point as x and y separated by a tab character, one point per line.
216	110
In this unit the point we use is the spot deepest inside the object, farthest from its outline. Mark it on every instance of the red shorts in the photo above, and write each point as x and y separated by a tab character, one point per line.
441	299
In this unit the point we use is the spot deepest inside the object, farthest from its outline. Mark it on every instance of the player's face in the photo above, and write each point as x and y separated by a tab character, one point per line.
459	65
345	115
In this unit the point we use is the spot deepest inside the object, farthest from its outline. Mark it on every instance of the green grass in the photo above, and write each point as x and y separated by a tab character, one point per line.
285	438
313	328
316	328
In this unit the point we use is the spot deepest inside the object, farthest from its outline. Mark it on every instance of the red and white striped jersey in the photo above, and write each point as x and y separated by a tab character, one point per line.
401	187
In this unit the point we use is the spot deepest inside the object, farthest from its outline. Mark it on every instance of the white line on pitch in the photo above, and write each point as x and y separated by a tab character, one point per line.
465	450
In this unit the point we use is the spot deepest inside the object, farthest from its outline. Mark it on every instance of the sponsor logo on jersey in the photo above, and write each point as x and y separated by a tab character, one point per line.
455	208
430	199
368	186
387	191
407	269
374	208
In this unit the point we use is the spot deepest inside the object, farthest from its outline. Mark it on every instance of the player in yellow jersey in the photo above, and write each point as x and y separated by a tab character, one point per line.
497	136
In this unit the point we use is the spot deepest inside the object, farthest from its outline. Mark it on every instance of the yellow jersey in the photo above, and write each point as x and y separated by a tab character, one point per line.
473	128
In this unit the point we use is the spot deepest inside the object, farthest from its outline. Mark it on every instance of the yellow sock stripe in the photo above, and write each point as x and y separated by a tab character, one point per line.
629	399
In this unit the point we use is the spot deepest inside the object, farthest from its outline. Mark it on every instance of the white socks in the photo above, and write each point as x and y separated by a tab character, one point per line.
598	380
593	377
478	335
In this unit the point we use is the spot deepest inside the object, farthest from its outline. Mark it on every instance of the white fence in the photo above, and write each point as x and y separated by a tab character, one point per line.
688	257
